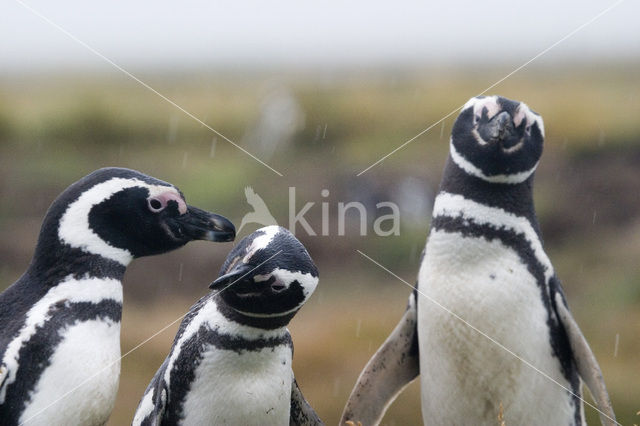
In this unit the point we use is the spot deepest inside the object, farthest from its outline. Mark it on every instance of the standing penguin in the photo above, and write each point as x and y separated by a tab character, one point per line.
60	322
485	276
230	362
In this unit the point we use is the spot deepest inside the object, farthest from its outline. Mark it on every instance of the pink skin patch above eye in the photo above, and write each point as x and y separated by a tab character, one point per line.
490	104
165	197
520	115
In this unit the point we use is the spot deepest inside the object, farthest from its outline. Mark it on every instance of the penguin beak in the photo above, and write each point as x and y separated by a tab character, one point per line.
502	129
499	128
237	273
198	224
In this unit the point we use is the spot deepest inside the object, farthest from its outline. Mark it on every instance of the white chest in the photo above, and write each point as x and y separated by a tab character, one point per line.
80	384
465	376
250	388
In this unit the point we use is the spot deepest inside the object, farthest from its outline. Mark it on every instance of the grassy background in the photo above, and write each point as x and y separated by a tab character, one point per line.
55	129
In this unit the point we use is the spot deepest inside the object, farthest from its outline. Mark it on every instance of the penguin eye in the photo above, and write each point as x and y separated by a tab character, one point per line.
277	286
155	205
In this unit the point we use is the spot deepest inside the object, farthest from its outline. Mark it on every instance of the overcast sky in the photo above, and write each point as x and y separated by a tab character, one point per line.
186	34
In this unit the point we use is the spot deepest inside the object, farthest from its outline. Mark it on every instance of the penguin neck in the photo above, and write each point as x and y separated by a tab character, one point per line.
513	198
262	322
54	260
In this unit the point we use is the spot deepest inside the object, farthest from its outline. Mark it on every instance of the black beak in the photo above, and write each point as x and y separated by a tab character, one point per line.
500	128
235	274
199	224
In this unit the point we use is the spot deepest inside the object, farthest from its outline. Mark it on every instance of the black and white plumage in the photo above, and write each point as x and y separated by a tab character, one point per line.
484	262
60	322
230	362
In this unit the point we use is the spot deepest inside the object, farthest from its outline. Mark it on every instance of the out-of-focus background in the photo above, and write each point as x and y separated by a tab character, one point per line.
320	93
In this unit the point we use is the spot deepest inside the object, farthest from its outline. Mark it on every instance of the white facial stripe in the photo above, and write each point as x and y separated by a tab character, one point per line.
521	114
262	241
489	102
307	281
524	113
74	225
155	190
468	167
478	138
261	278
92	290
453	205
286	277
516	147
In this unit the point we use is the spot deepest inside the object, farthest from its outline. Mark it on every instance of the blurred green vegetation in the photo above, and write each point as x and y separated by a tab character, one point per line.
55	129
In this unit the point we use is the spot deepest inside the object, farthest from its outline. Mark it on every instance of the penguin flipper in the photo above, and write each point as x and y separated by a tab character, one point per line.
392	367
160	404
153	403
4	373
156	416
301	414
586	362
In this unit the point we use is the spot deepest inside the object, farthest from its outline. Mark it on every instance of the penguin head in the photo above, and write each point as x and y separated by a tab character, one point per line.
497	140
121	214
269	274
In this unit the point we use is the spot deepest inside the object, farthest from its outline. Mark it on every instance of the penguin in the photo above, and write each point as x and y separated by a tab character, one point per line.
230	362
487	327
60	322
